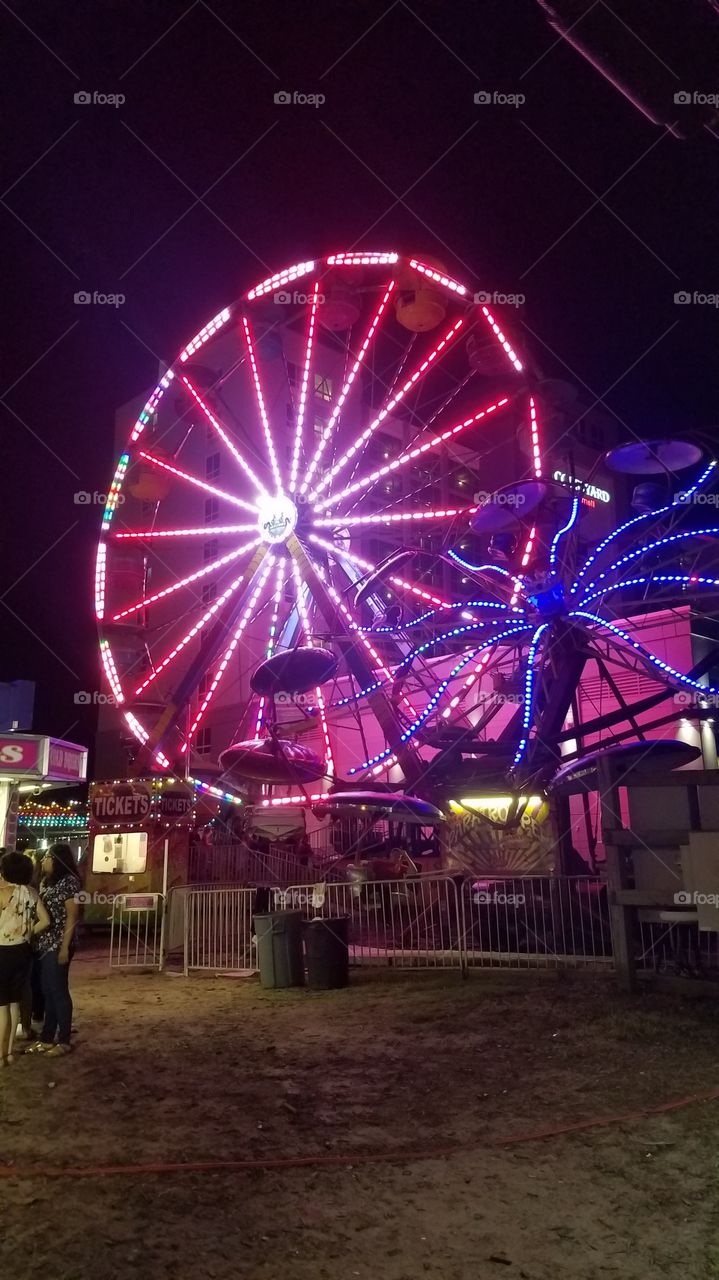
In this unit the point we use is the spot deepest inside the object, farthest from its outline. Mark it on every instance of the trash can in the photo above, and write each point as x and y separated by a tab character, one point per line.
279	948
327	952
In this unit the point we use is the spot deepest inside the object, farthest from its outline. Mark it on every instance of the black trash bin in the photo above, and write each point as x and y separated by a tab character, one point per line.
279	948
327	952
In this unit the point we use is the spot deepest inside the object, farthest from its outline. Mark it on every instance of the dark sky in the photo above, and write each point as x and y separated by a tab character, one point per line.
199	183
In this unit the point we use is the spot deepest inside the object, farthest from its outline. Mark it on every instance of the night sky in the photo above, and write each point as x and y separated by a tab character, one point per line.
199	184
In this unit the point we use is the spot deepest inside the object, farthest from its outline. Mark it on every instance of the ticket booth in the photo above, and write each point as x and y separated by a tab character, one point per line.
140	834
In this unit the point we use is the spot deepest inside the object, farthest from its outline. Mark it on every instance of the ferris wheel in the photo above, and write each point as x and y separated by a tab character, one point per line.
282	556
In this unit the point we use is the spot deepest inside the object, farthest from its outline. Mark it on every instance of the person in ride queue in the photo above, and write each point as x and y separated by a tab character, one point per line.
22	916
59	893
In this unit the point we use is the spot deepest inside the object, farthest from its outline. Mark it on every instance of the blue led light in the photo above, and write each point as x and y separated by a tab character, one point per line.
687	579
640	648
666	541
554	549
529	692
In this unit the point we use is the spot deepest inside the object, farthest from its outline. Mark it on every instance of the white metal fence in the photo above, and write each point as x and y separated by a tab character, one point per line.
136	931
536	922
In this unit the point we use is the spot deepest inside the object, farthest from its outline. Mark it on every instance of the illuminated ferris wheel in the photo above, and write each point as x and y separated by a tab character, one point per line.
282	554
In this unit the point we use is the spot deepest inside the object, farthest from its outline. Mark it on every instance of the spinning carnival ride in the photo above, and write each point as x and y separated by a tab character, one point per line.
266	568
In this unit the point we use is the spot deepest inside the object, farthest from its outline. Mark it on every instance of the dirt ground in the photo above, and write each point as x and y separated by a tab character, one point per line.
171	1069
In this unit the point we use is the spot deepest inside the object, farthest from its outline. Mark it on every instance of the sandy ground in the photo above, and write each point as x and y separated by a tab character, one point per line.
175	1069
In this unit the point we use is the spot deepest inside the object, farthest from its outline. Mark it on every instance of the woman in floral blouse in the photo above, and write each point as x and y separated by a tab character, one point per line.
59	893
21	916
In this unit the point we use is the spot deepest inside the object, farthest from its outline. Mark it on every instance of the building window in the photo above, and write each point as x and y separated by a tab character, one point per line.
212	510
203	687
212	466
293	374
203	741
319	427
209	592
210	550
323	387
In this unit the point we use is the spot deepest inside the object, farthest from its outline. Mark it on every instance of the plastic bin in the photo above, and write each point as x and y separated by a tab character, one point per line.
279	948
327	952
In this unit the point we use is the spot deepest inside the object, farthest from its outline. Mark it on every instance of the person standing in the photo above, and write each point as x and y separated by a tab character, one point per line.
59	894
21	916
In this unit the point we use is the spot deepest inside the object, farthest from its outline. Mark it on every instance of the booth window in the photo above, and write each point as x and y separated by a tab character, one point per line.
120	852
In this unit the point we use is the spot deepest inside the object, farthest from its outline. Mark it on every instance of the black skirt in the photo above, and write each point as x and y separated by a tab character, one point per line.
15	962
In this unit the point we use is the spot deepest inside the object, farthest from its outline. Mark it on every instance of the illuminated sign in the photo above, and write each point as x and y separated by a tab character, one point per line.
591	493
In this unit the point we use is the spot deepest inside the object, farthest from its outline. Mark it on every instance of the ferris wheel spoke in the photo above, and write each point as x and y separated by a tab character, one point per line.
248	613
225	438
391	517
414	378
272	636
261	403
304	389
336	411
186	582
200	531
473	677
360	563
366	482
530	690
196	629
195	480
306	627
502	339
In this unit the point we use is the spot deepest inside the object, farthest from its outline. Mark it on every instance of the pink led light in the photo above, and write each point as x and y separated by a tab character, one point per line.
302	610
391	404
261	404
327	432
147	412
100	573
502	340
534	429
432	443
205	334
185	582
296	799
141	733
201	531
279	278
190	635
392	518
248	613
437	276
361	259
201	484
303	391
224	436
272	638
113	679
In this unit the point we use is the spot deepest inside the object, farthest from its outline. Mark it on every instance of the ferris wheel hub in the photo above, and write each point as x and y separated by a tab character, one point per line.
276	518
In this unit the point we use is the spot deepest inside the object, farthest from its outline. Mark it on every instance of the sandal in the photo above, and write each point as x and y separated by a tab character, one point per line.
39	1046
57	1051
